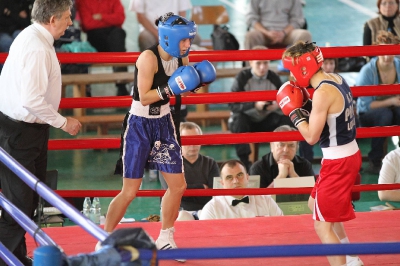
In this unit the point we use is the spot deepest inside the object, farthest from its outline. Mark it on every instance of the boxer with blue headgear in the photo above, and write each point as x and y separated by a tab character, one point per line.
149	139
172	29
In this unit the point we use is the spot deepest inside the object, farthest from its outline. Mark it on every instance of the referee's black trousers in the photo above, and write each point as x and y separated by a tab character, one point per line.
27	143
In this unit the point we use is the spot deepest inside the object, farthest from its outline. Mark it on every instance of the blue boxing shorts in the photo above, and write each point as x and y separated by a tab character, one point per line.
150	142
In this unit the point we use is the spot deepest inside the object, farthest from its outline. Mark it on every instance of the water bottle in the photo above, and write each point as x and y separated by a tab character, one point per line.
95	211
153	175
86	207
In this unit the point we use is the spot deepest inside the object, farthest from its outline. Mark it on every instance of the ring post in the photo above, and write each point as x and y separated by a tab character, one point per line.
47	256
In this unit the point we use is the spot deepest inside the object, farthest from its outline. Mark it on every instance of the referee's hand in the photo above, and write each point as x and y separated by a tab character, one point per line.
72	126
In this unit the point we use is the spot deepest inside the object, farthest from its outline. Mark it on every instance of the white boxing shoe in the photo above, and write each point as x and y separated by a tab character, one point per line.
353	261
166	241
98	246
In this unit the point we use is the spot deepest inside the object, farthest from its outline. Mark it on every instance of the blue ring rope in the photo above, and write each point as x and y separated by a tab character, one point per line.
50	196
25	222
274	251
8	257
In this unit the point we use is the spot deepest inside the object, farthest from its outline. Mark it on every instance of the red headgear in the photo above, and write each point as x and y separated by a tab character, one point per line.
304	66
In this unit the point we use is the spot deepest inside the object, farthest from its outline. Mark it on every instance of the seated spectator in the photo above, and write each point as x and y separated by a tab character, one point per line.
234	175
261	116
381	110
147	11
15	15
281	162
330	65
388	20
200	170
102	23
390	174
275	23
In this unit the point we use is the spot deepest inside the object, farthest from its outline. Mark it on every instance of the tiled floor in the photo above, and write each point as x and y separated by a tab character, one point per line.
335	22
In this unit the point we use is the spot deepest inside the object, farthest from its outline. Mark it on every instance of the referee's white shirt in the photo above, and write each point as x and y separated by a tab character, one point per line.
220	207
390	173
30	83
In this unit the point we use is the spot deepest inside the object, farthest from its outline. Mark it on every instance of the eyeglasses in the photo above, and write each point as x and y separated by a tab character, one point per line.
282	145
388	3
239	176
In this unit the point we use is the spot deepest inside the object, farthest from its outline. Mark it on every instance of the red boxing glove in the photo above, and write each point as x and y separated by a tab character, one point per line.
290	99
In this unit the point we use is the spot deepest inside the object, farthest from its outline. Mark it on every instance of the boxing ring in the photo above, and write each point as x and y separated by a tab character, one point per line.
252	241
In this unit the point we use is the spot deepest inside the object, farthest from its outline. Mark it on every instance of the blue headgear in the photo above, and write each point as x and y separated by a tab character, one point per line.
171	30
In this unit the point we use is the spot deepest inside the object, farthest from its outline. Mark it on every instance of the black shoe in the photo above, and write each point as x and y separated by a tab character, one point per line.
245	162
88	91
374	169
27	261
121	90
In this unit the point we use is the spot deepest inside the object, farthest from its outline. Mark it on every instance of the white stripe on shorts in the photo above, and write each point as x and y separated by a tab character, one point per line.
144	111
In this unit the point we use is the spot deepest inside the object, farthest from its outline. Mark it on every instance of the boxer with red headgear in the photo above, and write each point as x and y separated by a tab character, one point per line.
304	66
332	123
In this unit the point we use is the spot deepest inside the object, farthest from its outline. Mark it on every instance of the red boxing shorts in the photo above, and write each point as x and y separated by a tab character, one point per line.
332	191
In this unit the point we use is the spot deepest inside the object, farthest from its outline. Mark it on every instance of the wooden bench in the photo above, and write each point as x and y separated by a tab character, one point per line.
209	15
101	122
206	118
80	81
104	122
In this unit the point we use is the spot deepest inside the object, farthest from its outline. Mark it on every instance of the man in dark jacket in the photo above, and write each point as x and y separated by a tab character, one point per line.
260	116
281	162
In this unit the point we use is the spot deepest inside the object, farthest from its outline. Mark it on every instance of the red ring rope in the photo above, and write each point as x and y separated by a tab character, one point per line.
216	97
219	192
217	56
215	139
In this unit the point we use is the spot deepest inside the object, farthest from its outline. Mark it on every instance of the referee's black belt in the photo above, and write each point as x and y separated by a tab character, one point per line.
7	118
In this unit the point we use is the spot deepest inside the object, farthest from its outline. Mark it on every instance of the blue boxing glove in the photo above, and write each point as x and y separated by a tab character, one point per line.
184	79
206	72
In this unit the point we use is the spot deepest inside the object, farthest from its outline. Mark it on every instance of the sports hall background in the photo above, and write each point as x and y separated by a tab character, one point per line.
334	23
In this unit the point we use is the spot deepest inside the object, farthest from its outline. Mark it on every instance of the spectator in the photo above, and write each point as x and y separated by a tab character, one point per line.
390	174
102	21
148	10
281	162
381	110
275	23
330	65
388	20
15	15
30	88
234	175
261	116
200	170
